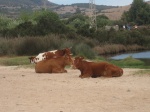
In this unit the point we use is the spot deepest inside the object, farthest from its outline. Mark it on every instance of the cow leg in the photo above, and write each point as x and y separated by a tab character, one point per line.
107	73
80	75
64	71
114	72
117	74
85	75
58	70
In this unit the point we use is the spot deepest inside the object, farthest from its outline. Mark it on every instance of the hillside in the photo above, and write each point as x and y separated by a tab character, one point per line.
24	2
115	13
67	10
12	8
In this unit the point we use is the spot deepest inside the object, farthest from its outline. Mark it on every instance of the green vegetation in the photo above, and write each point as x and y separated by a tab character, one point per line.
138	14
80	46
129	62
42	31
14	61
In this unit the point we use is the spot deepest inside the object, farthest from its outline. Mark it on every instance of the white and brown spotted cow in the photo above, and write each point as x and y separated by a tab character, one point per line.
49	55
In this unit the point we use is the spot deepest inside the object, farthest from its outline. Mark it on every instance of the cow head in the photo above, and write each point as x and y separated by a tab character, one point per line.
69	60
32	58
68	51
78	61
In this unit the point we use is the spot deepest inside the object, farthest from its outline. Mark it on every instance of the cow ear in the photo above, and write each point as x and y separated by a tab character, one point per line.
31	57
70	48
81	57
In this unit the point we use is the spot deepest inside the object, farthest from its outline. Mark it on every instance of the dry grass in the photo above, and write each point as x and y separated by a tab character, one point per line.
116	48
115	13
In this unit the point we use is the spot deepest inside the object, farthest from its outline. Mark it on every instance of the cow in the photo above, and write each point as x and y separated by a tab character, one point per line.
49	55
53	65
96	69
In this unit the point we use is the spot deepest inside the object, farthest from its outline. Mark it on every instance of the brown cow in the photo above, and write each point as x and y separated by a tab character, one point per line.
53	65
49	55
93	69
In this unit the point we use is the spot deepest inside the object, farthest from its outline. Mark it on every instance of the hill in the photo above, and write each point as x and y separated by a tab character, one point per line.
12	8
115	13
67	10
25	2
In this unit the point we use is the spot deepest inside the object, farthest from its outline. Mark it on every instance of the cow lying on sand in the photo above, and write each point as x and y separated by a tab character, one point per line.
53	65
93	69
49	55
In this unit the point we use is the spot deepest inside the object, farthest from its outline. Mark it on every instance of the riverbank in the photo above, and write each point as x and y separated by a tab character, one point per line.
143	56
111	49
137	55
22	90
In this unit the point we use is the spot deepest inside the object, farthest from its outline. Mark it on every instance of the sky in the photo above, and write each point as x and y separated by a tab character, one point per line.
97	2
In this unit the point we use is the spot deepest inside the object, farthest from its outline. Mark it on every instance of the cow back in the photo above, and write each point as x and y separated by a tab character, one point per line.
57	53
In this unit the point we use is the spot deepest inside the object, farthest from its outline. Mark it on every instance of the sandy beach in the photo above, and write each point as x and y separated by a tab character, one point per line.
23	90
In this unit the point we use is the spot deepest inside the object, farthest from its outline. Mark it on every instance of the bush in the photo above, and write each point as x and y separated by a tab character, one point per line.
129	62
29	46
7	46
84	50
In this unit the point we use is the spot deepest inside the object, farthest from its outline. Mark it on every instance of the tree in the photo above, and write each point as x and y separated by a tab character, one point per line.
78	22
49	22
138	13
78	11
102	21
4	22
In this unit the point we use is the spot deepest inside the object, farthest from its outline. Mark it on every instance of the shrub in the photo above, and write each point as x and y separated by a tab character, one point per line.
29	46
84	50
7	46
129	62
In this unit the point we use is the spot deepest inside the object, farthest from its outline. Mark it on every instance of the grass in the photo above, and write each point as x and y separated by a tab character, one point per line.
130	62
142	72
14	61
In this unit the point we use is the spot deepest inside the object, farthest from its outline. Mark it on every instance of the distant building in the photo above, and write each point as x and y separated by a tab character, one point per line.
116	27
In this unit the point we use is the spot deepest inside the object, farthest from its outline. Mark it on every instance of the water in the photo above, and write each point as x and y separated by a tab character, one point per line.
137	55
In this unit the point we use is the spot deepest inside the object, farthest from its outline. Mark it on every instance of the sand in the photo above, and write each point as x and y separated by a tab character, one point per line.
23	90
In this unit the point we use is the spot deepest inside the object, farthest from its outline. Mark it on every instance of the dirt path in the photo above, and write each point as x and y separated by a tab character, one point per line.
22	90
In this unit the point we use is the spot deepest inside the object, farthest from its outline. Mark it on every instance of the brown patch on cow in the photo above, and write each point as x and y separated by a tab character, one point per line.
57	53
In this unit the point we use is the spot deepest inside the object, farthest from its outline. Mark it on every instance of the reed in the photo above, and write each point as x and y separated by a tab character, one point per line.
116	48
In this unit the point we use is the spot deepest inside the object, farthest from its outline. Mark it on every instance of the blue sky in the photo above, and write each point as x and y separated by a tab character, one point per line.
98	2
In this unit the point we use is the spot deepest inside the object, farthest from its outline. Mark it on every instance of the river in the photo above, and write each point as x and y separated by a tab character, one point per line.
137	55
144	56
